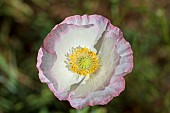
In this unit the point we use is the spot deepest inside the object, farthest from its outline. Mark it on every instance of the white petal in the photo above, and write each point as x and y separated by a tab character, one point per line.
45	61
100	79
101	97
72	36
107	82
66	37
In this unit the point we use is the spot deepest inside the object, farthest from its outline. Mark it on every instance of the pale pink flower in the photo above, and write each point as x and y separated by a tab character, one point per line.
84	60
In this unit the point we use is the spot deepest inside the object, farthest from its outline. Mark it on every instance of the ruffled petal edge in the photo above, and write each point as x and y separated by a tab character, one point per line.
124	67
116	86
124	50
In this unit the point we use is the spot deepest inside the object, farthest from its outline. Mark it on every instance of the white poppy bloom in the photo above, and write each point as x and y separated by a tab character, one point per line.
84	60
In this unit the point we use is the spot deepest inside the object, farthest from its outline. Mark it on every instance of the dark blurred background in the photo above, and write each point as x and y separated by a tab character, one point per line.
25	23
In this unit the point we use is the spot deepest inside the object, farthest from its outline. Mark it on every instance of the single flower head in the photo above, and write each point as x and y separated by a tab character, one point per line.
84	60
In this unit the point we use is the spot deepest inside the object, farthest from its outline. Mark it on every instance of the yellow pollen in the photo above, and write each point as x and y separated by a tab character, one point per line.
82	61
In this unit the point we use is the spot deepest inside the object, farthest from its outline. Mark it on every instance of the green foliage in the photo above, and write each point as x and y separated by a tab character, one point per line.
88	110
25	23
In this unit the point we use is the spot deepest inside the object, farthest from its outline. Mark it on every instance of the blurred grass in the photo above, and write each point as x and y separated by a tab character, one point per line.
25	23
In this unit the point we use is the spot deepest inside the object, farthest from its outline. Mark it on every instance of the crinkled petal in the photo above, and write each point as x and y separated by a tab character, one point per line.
72	36
45	61
124	50
116	56
109	59
96	23
107	82
102	97
61	39
58	94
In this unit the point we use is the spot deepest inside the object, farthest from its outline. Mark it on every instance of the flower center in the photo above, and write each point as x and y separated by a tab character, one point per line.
82	61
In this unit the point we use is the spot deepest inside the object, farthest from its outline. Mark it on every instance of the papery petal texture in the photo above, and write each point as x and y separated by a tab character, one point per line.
99	35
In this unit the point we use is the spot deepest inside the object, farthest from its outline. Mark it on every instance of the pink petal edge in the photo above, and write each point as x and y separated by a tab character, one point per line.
124	50
124	67
91	100
39	62
51	39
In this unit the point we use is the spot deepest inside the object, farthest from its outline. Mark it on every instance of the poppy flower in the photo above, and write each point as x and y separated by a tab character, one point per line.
84	60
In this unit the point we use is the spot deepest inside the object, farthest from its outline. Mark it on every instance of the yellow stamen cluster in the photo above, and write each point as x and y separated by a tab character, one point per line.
83	61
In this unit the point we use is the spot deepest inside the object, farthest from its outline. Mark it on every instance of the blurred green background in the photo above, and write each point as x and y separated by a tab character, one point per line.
25	23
